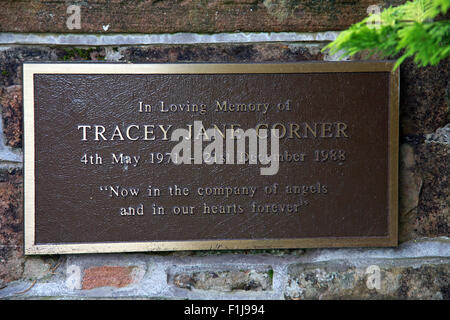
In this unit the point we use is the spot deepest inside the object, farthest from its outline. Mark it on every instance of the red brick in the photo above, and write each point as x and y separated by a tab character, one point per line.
107	276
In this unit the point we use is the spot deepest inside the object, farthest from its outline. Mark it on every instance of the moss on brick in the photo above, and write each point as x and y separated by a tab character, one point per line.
83	54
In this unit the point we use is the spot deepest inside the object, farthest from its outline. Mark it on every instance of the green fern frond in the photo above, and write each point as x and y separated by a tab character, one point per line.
408	29
442	5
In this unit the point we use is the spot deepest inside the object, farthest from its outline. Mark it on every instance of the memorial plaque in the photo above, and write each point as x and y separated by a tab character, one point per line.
146	157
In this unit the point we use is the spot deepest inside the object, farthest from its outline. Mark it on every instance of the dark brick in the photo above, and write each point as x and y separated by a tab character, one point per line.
424	97
227	281
337	280
201	16
11	104
11	227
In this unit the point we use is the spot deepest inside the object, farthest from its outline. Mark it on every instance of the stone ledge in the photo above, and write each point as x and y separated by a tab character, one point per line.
73	39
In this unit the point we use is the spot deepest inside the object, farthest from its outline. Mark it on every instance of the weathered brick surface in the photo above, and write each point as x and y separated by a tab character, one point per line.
11	106
410	185
279	52
107	276
11	264
433	211
336	280
11	209
227	281
11	230
150	16
424	96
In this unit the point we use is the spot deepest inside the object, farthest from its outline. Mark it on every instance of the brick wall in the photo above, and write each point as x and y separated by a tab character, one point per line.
225	31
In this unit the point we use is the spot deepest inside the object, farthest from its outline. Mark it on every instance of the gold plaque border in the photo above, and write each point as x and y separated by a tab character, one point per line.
30	69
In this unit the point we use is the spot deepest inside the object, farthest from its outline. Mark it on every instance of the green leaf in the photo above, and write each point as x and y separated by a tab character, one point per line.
407	29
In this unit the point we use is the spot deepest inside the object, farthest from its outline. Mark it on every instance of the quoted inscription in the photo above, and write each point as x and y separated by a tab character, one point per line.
298	193
218	199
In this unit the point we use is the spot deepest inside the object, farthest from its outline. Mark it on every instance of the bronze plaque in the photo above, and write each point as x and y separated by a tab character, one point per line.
101	168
